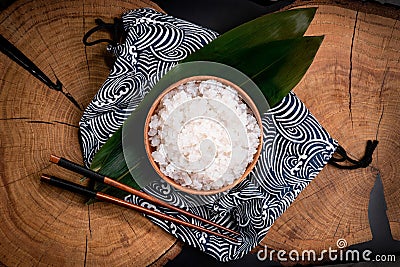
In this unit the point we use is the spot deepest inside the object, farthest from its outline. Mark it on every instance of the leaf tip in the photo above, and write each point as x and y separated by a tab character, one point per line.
311	11
320	38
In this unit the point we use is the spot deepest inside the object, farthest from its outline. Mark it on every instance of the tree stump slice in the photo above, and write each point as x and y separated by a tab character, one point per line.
41	224
353	89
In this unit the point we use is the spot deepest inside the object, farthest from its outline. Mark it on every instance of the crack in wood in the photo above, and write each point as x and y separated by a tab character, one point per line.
24	177
351	68
14	181
41	257
53	123
383	80
379	124
60	89
71	99
84	31
29	120
90	228
337	226
49	224
86	250
316	192
44	122
390	37
129	224
87	63
67	124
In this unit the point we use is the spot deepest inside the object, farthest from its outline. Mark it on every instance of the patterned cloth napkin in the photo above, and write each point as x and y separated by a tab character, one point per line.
295	149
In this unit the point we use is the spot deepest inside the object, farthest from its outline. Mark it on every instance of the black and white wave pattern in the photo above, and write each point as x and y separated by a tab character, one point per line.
295	150
154	44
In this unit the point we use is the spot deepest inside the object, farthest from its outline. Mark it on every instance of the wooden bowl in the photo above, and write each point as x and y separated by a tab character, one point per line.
150	149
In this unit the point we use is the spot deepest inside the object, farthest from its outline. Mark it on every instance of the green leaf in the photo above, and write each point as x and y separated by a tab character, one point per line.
270	50
110	161
276	67
284	25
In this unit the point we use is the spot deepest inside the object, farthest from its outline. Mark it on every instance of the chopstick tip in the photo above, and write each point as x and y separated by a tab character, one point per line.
45	178
54	159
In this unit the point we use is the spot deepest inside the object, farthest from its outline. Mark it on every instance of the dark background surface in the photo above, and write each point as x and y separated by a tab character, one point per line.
222	15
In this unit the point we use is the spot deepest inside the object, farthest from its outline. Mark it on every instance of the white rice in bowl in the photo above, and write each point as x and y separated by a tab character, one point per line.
229	158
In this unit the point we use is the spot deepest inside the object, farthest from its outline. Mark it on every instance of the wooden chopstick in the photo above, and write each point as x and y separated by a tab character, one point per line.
69	165
101	196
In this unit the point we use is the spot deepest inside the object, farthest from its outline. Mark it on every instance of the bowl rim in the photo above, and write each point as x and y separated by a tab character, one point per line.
149	149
